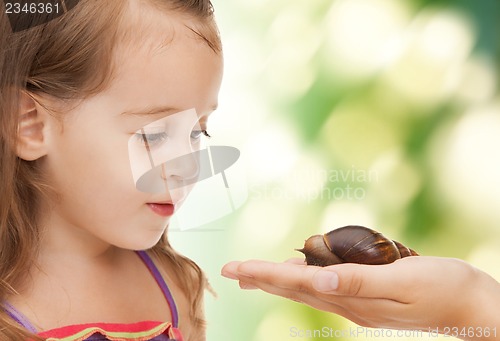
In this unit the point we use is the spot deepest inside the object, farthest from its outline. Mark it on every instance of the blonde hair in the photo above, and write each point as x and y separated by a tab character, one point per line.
68	58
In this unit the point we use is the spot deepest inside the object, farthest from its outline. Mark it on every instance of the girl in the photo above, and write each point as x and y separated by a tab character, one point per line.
75	90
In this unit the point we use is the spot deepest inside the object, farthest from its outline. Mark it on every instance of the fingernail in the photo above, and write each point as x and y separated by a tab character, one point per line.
229	275
324	281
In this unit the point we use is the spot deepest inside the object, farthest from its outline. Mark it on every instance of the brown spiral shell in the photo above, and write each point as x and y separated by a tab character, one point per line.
353	244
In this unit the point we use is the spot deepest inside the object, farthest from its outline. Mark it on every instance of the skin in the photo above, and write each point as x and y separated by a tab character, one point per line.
99	216
415	293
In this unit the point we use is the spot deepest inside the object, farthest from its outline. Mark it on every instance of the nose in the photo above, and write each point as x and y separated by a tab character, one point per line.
182	169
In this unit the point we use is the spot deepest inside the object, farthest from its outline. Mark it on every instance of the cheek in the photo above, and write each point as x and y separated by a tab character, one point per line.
92	170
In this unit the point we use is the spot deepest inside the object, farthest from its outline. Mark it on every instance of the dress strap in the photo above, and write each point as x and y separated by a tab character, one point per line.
162	284
19	318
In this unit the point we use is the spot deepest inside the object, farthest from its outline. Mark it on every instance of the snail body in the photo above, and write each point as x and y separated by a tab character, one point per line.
353	244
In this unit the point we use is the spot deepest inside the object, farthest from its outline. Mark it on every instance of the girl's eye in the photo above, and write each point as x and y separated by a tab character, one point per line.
196	134
151	140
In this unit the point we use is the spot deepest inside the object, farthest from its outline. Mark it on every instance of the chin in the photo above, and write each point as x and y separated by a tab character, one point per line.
142	242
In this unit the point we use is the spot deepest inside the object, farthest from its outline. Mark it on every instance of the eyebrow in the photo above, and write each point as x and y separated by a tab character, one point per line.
164	110
152	111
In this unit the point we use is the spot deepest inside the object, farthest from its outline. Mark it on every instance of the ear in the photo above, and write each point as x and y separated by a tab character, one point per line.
31	142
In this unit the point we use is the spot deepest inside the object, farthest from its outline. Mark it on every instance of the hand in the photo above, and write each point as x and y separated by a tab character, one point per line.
412	293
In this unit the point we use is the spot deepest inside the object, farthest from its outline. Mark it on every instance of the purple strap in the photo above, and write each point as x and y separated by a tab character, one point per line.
19	318
163	286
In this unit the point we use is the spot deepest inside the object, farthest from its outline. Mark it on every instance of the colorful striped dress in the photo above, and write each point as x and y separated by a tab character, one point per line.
141	331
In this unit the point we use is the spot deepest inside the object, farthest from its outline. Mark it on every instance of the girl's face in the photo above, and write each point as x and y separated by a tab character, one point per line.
170	71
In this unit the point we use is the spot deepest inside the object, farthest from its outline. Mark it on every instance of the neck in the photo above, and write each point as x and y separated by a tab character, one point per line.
66	241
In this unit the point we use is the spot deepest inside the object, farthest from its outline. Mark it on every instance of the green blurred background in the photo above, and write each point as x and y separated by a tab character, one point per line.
383	113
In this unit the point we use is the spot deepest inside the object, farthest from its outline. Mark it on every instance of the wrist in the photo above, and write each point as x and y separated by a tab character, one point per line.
479	319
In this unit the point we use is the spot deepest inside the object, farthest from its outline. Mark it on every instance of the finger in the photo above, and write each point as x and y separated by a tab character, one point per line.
297	261
230	270
319	304
363	311
300	297
283	275
368	312
246	286
389	281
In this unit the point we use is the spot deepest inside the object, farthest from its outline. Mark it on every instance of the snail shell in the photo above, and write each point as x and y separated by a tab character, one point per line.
353	244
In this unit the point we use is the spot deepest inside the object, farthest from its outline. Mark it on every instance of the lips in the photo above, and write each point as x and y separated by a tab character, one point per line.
162	209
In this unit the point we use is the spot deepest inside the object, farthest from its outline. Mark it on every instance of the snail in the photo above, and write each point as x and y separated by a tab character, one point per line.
353	244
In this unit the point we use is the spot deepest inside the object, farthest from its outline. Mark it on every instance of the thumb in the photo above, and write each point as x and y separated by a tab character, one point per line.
357	280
